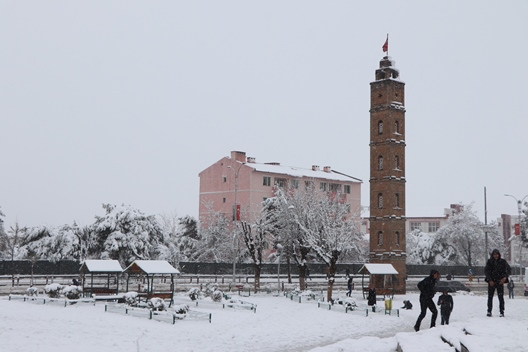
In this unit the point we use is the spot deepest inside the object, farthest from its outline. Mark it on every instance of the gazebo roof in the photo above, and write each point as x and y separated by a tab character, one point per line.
151	267
101	266
377	269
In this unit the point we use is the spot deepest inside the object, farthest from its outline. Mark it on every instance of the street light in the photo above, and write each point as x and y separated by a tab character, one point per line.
236	214
519	209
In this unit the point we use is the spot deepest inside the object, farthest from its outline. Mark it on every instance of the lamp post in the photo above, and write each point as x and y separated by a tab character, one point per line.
519	209
279	250
236	214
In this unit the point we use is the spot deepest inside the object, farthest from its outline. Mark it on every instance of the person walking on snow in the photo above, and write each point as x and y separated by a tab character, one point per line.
497	271
427	292
350	285
445	301
511	286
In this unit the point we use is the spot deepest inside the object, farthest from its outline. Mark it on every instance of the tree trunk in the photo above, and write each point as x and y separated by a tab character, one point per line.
257	277
302	277
331	270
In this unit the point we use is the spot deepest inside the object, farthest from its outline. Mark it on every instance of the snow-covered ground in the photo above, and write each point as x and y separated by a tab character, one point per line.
279	324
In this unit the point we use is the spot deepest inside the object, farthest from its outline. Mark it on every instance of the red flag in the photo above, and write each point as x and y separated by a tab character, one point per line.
385	46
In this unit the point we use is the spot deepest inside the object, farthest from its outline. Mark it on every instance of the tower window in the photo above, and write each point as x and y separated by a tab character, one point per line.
397	235
380	127
397	162
224	179
396	127
380	162
397	200
380	200
380	239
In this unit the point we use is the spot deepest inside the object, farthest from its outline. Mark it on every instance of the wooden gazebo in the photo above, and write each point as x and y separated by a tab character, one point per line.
385	282
148	269
100	277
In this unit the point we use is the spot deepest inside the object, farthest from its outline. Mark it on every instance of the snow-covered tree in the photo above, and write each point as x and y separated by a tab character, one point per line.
318	222
215	239
255	240
125	234
426	248
463	235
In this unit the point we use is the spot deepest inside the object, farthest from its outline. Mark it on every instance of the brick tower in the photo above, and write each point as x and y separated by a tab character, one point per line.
387	173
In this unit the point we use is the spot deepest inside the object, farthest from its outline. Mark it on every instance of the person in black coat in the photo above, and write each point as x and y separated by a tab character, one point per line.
427	292
497	271
445	301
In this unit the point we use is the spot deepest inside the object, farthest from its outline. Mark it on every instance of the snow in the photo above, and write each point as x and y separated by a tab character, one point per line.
279	324
378	269
154	267
103	266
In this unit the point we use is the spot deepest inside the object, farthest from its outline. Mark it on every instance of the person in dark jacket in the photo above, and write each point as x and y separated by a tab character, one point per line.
350	285
371	298
427	292
511	286
497	271
445	301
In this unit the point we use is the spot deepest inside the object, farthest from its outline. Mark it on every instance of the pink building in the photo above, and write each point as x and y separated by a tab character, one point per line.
242	181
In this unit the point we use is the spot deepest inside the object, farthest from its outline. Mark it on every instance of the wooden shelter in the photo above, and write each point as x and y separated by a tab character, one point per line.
388	274
100	277
148	269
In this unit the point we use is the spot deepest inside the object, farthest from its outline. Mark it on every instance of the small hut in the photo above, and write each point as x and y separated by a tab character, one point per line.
100	277
385	277
149	269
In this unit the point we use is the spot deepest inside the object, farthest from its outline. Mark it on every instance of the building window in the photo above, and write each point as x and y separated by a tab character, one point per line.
380	200
380	239
397	162
347	189
224	178
416	226
380	162
397	200
396	127
280	182
322	186
223	200
397	238
266	181
295	183
335	187
380	127
434	226
308	185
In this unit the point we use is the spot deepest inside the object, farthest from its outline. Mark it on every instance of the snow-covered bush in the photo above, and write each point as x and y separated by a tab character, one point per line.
348	302
156	304
53	290
72	292
217	296
210	288
32	291
180	311
195	294
131	298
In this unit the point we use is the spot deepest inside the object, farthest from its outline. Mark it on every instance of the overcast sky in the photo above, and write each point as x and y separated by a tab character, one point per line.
127	101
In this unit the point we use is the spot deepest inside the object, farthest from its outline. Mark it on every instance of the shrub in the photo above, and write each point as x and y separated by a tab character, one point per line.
180	311
32	291
72	292
156	304
217	296
194	294
53	290
210	288
131	298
